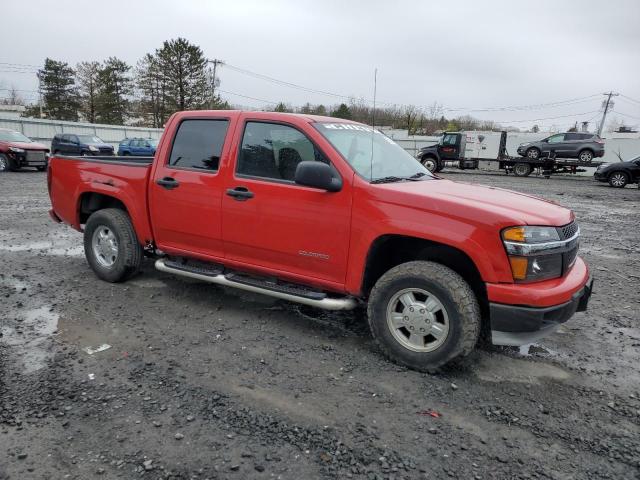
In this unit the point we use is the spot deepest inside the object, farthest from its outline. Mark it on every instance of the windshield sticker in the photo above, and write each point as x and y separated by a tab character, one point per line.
346	126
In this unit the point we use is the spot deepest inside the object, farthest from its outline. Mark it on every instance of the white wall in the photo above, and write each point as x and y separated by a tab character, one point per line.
43	130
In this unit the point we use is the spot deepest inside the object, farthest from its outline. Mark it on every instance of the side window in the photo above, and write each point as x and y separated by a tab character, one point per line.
449	140
556	138
572	136
74	139
198	144
271	150
64	138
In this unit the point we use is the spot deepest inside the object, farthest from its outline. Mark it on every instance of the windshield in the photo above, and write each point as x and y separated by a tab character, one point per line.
11	136
89	139
355	143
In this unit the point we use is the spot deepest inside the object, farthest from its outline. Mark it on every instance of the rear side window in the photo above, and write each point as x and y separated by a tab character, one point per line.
198	144
271	150
572	136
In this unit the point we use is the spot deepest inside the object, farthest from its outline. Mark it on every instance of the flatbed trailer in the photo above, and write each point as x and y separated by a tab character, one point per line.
451	153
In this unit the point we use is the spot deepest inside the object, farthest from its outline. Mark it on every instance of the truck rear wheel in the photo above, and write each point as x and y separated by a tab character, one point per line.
522	169
111	245
423	315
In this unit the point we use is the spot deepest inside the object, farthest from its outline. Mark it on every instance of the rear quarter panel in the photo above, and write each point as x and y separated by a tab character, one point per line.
71	178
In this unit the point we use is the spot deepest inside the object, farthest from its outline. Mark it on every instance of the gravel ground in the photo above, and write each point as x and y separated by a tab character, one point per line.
205	382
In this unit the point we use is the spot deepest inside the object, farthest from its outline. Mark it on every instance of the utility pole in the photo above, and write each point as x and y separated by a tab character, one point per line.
606	109
40	94
215	62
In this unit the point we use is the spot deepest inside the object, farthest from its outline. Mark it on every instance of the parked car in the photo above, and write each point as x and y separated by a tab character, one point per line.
17	151
583	146
72	144
144	147
619	174
332	214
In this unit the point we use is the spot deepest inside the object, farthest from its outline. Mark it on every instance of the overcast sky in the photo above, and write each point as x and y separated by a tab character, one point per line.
471	55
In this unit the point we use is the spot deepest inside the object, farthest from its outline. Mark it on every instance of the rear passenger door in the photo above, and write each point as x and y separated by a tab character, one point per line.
555	143
272	223
186	189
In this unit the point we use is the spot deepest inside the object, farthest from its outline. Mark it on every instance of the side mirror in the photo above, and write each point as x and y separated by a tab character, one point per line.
318	175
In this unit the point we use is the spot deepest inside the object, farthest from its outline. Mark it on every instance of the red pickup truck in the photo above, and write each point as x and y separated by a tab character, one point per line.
333	214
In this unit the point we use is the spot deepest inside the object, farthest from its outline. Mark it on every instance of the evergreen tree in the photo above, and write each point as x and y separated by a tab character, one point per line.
183	67
115	87
342	112
152	89
87	74
59	95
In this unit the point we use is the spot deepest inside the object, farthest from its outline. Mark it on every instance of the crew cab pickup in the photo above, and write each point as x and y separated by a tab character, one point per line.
333	214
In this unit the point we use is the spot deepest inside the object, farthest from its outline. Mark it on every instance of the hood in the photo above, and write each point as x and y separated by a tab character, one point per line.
25	145
476	203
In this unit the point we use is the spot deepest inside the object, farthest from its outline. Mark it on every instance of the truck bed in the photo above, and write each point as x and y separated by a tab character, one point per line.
74	180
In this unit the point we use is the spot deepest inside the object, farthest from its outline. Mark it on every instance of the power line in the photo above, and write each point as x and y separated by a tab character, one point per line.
560	103
626	115
629	98
549	118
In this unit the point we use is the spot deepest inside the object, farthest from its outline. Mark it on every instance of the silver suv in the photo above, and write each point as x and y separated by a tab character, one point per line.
583	146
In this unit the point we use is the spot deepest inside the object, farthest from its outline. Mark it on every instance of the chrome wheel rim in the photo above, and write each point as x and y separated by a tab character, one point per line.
105	246
533	153
3	164
430	164
418	320
585	156
618	179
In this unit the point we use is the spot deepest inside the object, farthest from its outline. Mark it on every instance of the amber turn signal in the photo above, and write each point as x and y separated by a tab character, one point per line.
519	267
514	234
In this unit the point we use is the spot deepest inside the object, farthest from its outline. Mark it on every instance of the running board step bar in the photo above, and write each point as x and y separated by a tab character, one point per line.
212	273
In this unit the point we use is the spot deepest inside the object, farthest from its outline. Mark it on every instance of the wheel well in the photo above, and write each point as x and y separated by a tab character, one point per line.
586	149
391	250
92	202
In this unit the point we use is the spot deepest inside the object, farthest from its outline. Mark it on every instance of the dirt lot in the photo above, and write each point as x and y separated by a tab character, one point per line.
204	382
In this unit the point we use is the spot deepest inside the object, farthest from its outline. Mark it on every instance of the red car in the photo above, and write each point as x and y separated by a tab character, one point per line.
17	151
333	214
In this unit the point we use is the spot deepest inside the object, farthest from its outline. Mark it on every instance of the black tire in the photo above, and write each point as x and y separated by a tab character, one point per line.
56	152
522	169
618	179
129	256
440	166
125	154
41	169
430	163
6	164
585	156
453	293
532	153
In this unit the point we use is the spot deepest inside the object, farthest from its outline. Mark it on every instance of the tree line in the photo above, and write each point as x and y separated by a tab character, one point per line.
175	77
178	76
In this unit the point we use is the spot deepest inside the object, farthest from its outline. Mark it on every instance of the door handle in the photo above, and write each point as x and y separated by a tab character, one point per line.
240	193
168	182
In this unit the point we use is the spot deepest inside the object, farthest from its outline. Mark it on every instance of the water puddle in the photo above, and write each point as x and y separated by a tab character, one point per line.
31	333
59	248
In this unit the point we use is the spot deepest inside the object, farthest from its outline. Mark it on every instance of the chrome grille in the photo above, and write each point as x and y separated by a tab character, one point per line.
35	156
568	231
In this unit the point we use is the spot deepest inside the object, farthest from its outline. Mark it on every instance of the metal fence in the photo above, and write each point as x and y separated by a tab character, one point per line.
43	131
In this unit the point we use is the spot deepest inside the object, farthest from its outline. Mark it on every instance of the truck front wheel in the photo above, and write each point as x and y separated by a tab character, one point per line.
423	315
111	245
430	163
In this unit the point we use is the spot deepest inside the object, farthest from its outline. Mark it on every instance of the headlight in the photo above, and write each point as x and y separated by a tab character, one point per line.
16	150
94	149
524	144
538	253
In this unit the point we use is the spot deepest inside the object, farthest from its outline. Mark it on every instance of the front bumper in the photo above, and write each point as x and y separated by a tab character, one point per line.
600	177
30	158
518	325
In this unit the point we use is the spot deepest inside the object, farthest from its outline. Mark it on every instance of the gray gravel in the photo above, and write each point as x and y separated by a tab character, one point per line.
205	382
